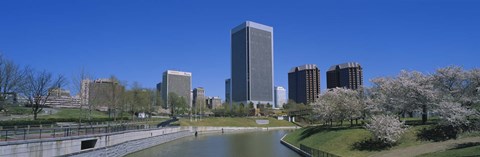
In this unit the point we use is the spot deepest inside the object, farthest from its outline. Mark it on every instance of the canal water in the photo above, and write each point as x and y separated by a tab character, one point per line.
245	144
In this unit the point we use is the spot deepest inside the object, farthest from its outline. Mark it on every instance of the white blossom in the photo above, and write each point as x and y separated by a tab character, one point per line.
454	114
339	104
385	128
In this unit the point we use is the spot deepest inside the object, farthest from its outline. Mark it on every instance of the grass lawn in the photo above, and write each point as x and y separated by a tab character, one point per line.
74	113
340	140
235	122
19	110
466	151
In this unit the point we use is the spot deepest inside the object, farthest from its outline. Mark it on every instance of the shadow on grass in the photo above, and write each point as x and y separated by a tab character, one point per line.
312	130
466	145
438	133
371	145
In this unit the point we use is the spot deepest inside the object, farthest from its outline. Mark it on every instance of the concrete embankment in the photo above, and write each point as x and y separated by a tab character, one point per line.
292	147
111	144
66	146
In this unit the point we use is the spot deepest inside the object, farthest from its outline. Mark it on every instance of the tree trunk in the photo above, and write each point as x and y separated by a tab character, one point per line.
424	114
351	122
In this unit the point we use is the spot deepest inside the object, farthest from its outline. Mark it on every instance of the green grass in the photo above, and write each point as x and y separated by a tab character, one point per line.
19	110
235	122
340	140
467	151
74	113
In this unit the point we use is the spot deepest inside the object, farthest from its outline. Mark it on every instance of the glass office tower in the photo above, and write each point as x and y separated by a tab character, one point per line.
252	63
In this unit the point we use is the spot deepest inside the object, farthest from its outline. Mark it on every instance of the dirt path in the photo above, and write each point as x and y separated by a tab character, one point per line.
425	148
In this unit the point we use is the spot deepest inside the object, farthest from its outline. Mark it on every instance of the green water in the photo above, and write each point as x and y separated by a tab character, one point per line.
247	144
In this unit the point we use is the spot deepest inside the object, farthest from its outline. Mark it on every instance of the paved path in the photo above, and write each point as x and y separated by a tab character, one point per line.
425	148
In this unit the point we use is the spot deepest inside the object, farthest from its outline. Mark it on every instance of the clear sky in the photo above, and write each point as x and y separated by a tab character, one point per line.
137	40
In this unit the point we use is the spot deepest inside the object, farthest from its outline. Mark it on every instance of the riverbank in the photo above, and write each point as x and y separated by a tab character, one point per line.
234	122
346	141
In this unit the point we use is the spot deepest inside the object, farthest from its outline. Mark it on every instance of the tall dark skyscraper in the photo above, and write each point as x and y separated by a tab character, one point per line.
346	75
227	90
252	63
304	83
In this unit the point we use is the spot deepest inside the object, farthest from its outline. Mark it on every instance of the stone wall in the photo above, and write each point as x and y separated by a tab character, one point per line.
128	147
72	145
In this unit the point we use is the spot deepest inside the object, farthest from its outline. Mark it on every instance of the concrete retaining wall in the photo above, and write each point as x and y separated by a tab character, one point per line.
128	147
72	145
296	149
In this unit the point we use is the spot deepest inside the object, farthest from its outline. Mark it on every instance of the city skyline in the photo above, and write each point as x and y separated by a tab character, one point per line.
144	42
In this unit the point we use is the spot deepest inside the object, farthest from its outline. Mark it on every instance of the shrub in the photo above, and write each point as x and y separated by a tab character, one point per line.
385	128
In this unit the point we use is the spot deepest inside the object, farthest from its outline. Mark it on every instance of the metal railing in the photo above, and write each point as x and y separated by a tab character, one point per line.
55	132
316	152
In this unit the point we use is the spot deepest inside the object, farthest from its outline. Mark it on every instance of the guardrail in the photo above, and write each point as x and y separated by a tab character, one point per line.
316	152
41	133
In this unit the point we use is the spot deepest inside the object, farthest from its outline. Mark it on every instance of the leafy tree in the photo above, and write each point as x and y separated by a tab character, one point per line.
178	104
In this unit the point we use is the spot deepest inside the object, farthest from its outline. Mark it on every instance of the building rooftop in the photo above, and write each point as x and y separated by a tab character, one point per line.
303	67
252	24
344	65
182	73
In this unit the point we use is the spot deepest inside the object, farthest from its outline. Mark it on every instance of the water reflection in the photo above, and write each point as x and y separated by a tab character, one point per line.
247	144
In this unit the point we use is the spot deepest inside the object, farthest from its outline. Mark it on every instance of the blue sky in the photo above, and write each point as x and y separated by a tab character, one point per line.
137	40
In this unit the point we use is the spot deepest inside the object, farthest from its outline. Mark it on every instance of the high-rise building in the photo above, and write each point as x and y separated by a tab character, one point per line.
177	82
159	87
304	83
227	90
102	92
252	63
84	91
346	75
198	98
280	96
213	102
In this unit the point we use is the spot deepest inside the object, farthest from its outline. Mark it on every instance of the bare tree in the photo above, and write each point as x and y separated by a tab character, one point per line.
11	77
37	88
116	93
80	86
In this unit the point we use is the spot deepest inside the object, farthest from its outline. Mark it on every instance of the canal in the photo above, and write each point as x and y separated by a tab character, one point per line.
245	144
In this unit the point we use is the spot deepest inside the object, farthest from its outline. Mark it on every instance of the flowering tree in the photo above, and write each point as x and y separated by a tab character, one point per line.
385	128
339	104
408	92
454	114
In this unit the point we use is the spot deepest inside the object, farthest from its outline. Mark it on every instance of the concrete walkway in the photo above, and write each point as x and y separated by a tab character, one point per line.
426	148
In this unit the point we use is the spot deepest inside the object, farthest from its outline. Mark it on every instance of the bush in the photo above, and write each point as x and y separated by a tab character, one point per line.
438	133
385	128
372	145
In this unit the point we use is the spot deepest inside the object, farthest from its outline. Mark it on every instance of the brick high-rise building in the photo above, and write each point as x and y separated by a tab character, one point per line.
304	84
198	98
346	75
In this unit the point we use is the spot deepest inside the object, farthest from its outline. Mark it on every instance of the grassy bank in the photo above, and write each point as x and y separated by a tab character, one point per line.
465	151
235	122
341	140
74	113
